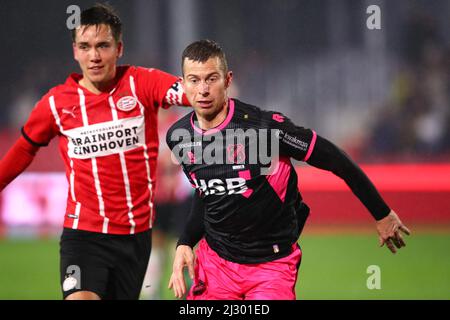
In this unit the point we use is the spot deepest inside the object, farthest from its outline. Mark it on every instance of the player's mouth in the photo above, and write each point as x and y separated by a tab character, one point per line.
96	69
204	104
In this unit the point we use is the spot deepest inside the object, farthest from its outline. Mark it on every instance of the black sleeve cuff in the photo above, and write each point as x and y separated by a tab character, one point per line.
36	144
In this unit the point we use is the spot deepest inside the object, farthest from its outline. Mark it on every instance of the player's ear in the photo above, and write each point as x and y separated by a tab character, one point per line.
182	82
228	79
119	49
75	51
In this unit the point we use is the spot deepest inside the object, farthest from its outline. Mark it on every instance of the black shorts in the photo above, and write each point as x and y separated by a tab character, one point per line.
112	266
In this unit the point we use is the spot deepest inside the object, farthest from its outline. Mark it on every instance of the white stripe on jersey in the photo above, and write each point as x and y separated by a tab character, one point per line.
77	213
124	172
133	91
101	203
146	157
51	101
150	202
72	181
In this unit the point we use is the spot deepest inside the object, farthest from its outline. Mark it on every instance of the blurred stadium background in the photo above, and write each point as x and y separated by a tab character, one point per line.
382	95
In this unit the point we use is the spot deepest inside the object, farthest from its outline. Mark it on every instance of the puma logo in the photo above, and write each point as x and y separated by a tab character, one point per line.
72	113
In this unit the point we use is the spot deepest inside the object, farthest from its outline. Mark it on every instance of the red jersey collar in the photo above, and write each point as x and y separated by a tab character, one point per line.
74	79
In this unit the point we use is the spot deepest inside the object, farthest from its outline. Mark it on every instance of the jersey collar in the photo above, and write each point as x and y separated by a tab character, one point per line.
74	78
220	126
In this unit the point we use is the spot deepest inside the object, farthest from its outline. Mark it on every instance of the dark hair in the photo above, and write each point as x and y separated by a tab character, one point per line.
99	14
202	50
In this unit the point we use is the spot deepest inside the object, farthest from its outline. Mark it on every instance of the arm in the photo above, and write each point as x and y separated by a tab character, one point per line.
329	157
194	229
184	256
175	96
16	161
156	88
37	132
304	145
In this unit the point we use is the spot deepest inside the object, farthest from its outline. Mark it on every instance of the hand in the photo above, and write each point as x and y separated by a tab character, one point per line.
389	232
184	257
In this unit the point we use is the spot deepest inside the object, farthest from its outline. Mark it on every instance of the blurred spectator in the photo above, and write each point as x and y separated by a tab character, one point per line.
421	30
414	124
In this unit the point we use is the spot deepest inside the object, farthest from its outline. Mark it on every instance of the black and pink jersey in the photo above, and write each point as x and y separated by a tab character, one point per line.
109	145
252	213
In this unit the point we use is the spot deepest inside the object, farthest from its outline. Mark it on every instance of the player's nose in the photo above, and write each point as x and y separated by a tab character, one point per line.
94	55
204	88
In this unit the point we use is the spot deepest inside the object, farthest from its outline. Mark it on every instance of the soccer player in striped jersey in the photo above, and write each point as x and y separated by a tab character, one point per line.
248	218
106	122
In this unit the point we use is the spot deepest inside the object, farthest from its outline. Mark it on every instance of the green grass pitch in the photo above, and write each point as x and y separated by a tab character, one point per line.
333	267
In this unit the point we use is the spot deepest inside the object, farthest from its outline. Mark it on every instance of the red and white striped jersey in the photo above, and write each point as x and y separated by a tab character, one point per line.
109	145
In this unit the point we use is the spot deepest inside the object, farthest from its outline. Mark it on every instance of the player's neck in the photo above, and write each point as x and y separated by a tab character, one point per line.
97	88
209	122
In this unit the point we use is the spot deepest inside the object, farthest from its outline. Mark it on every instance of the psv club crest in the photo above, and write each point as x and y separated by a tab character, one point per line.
126	103
236	153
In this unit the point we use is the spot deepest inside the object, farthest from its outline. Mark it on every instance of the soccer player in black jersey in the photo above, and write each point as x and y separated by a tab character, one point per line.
248	213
